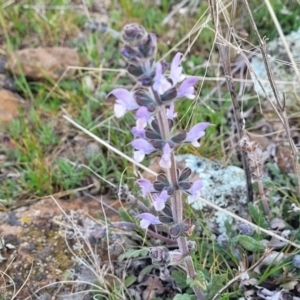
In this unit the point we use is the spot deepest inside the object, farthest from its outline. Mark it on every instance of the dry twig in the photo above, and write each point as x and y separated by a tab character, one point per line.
224	52
281	104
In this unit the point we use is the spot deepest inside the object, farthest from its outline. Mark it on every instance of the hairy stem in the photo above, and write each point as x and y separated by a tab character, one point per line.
176	200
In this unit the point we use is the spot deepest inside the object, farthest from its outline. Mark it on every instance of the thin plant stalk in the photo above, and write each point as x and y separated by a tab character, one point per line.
225	61
282	111
176	203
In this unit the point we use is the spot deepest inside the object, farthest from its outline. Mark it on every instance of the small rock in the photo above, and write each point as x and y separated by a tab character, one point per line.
277	223
9	104
296	261
41	63
222	186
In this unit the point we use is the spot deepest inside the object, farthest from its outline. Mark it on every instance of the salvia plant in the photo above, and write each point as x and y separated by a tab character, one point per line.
153	105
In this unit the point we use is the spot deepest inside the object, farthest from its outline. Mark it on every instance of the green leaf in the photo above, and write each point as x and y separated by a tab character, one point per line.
199	281
257	216
250	244
130	280
133	253
215	285
147	270
125	216
180	279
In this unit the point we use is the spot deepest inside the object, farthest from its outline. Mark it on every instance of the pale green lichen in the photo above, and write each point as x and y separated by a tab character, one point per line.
222	186
281	67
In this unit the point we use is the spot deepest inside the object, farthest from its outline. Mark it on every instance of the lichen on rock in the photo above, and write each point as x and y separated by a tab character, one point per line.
222	186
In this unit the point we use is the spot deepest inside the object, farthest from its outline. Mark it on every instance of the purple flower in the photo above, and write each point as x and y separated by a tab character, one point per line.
142	117
148	219
145	185
176	70
160	200
125	101
196	187
187	89
171	114
165	161
143	147
161	84
140	133
196	133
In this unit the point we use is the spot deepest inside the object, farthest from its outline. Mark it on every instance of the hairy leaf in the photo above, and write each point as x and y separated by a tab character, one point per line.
217	282
250	244
258	216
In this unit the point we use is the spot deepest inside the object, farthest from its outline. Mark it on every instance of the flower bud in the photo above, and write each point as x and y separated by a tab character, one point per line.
142	98
135	70
160	255
169	95
133	56
184	185
185	174
146	80
157	144
179	137
183	229
134	34
166	215
159	186
245	229
148	48
192	246
175	230
175	257
152	135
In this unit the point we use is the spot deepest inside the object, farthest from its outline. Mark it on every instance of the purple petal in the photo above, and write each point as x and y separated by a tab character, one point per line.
138	132
147	219
142	113
141	123
143	148
141	144
196	133
146	186
186	89
161	84
160	200
165	161
125	101
119	110
176	70
139	155
171	114
197	186
142	117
